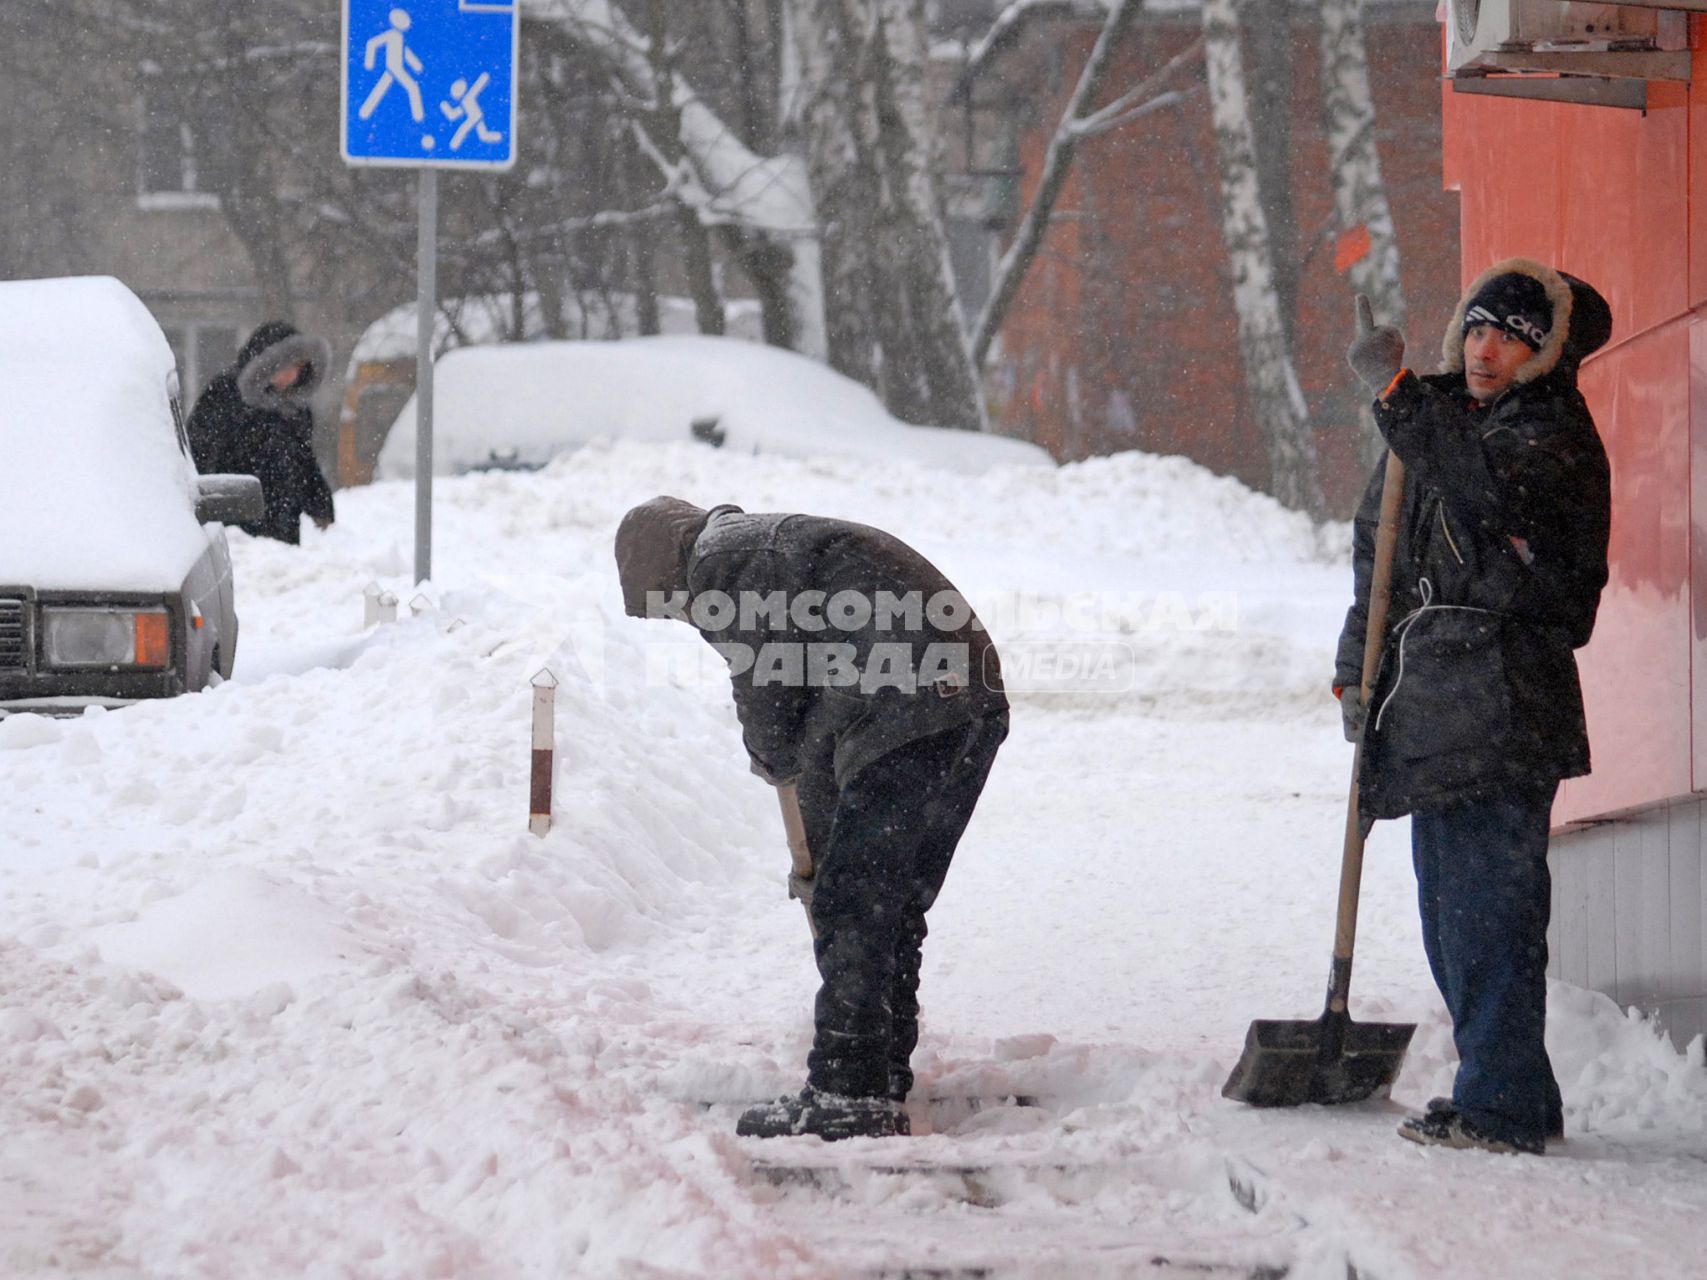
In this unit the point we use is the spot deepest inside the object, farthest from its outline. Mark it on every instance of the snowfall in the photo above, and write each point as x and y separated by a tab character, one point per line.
289	989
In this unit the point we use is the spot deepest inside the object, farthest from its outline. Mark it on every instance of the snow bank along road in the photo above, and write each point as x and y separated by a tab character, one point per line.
286	989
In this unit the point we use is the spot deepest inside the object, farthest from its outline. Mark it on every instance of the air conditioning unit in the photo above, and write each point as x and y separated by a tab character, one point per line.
1476	29
1569	40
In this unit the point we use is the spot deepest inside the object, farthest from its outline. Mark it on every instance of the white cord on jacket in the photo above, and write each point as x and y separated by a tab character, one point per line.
1402	629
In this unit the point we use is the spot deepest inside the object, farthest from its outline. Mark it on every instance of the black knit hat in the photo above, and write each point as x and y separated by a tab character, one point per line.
1516	303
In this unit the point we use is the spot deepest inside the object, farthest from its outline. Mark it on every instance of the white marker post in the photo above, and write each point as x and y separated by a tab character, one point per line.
370	604
388	606
544	743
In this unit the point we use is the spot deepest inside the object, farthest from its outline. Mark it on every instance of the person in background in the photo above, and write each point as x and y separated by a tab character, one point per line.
1476	714
256	418
863	681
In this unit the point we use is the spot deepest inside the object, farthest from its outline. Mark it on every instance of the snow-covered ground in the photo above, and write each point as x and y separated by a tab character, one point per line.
287	989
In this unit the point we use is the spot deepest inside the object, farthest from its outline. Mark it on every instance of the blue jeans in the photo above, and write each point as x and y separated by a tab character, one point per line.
1485	894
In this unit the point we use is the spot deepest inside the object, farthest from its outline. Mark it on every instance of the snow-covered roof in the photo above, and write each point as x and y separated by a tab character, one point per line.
95	491
525	402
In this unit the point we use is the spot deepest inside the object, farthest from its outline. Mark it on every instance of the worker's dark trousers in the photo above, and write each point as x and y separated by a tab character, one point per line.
882	844
1485	894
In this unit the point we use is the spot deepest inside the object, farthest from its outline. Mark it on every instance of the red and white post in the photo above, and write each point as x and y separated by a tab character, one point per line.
544	743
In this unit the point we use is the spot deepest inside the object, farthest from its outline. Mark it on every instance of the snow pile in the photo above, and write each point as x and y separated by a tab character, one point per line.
522	403
1617	1074
95	492
303	951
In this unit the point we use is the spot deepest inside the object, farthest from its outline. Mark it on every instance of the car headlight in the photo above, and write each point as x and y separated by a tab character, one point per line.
106	637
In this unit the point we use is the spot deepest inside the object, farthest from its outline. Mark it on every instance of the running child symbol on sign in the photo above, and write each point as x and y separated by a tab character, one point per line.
467	108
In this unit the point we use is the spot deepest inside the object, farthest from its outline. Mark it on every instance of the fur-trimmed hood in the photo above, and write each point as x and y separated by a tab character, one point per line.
1582	322
272	347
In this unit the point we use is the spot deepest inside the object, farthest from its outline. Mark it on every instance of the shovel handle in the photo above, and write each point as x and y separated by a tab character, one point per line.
1381	577
1374	636
799	852
794	826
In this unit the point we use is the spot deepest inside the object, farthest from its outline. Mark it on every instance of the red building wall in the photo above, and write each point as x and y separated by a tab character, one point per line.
1123	336
1613	196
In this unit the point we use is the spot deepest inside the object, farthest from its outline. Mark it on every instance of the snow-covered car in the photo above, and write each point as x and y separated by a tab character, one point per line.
115	579
518	405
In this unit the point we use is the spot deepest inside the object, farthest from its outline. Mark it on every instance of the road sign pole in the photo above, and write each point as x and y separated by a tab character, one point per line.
428	84
426	303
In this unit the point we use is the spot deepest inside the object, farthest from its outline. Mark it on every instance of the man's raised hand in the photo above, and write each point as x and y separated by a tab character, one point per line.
1377	353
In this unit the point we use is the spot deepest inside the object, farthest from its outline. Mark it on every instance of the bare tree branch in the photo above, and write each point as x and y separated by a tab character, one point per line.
1057	163
1120	110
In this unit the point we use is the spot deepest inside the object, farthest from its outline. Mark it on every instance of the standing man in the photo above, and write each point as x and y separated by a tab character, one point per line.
861	676
257	418
1476	714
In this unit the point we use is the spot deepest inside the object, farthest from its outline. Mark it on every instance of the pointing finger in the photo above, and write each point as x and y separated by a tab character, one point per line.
1365	316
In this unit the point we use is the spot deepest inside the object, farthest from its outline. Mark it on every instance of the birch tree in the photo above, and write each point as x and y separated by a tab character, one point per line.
666	132
1354	166
761	205
1270	378
840	231
842	165
859	99
1268	44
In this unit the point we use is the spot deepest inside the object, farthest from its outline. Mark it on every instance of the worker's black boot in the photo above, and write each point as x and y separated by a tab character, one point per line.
830	1116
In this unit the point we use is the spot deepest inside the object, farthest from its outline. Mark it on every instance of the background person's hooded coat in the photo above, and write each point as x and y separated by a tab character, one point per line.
242	425
1498	571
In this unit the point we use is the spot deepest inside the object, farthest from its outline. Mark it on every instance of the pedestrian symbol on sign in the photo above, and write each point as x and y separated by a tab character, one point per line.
400	59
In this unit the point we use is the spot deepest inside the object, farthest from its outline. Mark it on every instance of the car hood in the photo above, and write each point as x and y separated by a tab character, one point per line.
95	490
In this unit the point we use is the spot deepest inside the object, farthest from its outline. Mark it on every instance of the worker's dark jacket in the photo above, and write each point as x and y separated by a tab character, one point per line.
1498	571
835	632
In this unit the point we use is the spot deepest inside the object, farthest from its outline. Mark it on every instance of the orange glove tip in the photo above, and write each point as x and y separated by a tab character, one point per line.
1397	379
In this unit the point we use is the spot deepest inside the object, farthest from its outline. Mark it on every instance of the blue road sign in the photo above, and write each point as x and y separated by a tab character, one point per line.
430	82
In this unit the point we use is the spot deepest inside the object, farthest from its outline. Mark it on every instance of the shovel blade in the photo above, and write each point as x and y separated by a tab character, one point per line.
1289	1063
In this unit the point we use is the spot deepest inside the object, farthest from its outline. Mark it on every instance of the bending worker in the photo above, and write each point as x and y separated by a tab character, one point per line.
862	677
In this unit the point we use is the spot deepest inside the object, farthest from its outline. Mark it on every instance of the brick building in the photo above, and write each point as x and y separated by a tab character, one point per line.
1123	336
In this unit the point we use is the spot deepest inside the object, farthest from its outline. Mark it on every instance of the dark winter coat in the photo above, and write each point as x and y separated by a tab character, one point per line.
242	425
1499	566
808	673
